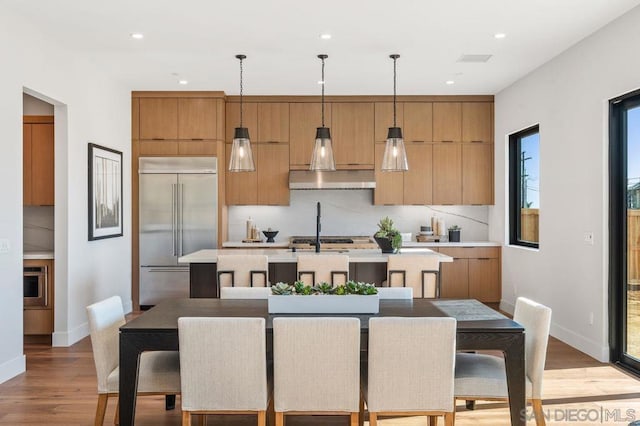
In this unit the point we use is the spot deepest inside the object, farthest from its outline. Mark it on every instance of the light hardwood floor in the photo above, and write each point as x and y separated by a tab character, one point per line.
59	388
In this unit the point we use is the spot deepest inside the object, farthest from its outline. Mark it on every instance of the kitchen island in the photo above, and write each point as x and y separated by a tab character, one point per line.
364	265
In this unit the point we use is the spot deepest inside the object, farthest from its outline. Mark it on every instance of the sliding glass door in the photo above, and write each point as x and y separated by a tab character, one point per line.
624	227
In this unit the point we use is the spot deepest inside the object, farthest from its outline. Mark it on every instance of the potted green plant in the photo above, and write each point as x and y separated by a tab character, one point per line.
454	234
388	237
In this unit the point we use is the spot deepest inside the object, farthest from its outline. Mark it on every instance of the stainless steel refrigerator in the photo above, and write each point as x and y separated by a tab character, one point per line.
178	215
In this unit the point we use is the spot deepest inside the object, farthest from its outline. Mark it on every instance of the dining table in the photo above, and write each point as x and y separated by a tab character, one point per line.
478	328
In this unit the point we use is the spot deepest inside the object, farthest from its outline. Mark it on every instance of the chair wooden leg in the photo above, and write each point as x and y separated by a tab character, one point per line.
262	418
373	419
202	419
116	419
537	412
101	408
354	419
433	420
186	418
471	405
449	419
279	418
361	416
169	402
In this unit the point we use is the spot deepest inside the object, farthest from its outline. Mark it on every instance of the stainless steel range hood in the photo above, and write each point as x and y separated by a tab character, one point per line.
339	179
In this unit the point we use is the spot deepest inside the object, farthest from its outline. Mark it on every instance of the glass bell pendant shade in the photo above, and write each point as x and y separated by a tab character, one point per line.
395	156
241	156
322	159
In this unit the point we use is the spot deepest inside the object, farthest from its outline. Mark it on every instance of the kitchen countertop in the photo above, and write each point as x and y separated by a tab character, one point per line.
448	244
240	244
30	255
287	256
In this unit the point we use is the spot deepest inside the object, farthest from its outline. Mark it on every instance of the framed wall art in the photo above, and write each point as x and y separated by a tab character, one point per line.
105	192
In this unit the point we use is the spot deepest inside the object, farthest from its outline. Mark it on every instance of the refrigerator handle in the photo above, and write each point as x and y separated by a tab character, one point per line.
173	217
180	218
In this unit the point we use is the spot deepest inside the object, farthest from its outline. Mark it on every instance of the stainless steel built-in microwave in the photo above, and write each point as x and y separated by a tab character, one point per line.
35	286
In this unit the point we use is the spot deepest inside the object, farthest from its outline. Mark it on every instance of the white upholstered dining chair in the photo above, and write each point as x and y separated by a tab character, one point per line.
158	373
318	268
245	292
422	273
224	368
483	377
416	380
240	270
316	367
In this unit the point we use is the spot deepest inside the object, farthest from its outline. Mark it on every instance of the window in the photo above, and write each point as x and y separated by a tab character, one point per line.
524	187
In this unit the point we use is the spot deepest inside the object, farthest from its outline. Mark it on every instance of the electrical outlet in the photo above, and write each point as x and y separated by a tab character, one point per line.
588	238
4	245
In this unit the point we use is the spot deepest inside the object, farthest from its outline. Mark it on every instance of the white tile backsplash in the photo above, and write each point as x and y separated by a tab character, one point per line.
351	212
38	228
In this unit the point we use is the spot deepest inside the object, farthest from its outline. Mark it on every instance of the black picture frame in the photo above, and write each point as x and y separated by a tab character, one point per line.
105	192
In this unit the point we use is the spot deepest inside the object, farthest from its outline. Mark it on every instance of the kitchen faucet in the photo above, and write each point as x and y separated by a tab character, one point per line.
318	229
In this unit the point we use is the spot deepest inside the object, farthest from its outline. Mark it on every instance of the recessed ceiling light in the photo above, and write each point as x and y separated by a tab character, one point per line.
325	36
183	82
499	35
449	82
137	36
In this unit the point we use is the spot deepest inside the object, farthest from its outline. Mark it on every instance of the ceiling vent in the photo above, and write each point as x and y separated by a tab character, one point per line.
474	58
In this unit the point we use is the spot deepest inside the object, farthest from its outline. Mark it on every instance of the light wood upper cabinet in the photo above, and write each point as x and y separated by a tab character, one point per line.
477	122
389	185
447	121
418	121
158	118
484	279
384	119
197	118
477	173
273	122
38	164
352	128
447	173
304	119
273	173
241	188
249	119
135	118
418	179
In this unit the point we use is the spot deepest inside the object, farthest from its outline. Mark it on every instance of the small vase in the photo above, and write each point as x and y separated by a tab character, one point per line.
454	235
385	244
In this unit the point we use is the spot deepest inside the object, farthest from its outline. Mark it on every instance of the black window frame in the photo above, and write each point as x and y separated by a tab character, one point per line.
515	193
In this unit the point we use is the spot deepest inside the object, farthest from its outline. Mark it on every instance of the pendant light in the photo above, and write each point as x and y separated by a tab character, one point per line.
322	159
241	156
395	156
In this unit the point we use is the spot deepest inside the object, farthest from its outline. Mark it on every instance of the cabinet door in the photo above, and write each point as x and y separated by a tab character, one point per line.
477	173
42	164
304	119
484	280
454	279
197	119
249	119
273	122
241	188
447	121
26	165
273	173
418	180
135	118
418	121
477	125
158	118
352	129
384	119
447	173
389	185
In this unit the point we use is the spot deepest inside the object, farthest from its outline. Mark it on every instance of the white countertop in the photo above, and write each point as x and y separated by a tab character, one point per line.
30	255
448	244
240	244
287	256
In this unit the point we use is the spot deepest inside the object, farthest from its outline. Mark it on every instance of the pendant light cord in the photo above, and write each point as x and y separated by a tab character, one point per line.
323	83
394	92
240	92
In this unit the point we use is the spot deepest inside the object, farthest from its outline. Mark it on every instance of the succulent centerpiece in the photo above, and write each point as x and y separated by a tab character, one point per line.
345	298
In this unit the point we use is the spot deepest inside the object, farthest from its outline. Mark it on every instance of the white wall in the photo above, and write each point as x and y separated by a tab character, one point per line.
89	106
351	212
568	97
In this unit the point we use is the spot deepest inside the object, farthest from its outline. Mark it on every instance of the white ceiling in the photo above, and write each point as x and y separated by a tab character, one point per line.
197	40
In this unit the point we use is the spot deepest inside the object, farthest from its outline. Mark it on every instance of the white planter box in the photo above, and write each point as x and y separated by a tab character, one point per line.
324	304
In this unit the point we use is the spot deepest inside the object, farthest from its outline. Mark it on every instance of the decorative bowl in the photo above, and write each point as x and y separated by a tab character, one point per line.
270	235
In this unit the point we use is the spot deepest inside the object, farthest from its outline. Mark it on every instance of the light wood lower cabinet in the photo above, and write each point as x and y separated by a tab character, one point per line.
38	320
475	273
